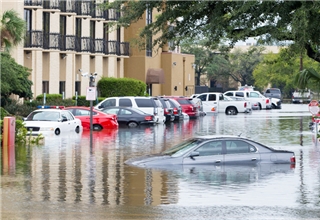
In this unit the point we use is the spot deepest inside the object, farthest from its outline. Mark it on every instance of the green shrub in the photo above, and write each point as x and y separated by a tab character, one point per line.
81	101
49	98
109	86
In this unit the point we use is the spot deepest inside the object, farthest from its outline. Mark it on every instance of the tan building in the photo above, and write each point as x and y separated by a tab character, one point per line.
64	36
166	72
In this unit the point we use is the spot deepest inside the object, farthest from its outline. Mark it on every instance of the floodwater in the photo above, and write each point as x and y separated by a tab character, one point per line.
66	178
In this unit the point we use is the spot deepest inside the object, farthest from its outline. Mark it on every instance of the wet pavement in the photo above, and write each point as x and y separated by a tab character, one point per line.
66	178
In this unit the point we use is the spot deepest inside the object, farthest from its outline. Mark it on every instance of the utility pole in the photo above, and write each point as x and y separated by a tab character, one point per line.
91	95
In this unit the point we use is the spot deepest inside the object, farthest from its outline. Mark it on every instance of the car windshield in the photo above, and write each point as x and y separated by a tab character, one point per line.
182	148
43	116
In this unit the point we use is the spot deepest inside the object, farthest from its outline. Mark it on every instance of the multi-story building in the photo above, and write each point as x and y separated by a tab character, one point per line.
64	36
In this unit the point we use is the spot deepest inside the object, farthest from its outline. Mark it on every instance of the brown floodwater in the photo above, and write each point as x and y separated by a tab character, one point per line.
66	178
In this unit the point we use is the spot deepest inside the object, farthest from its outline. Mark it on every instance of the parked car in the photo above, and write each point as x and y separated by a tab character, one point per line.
50	120
216	150
100	120
145	104
187	106
177	109
167	108
130	117
273	93
302	96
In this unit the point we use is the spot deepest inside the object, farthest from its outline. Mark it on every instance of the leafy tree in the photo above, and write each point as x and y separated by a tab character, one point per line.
270	21
12	30
280	70
243	64
218	71
14	79
204	56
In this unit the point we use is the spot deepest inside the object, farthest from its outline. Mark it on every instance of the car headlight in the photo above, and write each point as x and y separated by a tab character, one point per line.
46	129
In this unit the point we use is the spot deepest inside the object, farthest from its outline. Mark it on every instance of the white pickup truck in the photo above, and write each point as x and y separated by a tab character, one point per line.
215	102
302	96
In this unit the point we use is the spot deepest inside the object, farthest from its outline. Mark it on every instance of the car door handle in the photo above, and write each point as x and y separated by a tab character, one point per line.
218	161
253	159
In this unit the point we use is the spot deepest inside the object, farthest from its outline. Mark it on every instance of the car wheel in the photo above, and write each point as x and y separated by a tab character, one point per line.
274	106
260	106
57	131
96	127
132	124
231	111
77	129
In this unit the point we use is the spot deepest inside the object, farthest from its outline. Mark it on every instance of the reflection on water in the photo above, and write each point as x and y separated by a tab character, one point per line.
66	173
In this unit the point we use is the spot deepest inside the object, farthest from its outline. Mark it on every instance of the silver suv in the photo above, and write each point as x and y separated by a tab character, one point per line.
149	105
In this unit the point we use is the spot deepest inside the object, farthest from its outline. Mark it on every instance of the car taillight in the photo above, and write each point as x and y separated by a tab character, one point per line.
148	118
267	101
245	104
166	112
175	111
293	160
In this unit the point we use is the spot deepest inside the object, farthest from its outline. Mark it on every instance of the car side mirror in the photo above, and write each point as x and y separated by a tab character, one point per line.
194	154
64	119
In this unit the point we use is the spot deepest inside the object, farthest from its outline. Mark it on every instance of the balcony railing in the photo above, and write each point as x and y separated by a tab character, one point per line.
111	15
67	42
98	45
110	47
124	49
33	38
68	6
52	4
56	41
51	41
33	2
83	8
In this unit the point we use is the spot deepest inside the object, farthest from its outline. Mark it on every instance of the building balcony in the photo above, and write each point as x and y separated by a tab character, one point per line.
83	8
33	39
56	41
111	15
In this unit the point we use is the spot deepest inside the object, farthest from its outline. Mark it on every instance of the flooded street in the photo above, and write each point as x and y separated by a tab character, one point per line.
66	178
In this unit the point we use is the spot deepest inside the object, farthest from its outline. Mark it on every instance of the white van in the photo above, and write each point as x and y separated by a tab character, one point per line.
147	104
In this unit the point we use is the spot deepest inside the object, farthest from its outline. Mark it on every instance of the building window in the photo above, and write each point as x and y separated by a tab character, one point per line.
63	24
62	87
46	22
46	30
149	38
106	32
28	19
78	27
45	87
78	87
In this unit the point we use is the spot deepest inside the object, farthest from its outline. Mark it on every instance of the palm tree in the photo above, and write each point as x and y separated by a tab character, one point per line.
12	30
307	77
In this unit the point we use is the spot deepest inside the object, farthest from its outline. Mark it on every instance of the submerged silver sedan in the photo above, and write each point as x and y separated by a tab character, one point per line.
216	150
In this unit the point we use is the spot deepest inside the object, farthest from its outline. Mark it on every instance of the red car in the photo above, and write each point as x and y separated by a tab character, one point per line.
100	120
187	105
